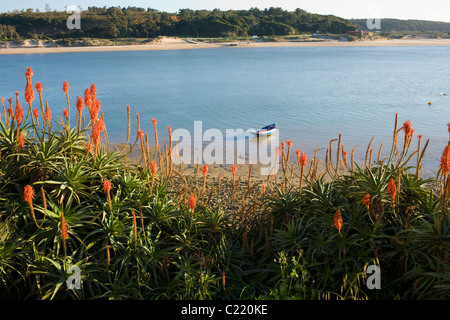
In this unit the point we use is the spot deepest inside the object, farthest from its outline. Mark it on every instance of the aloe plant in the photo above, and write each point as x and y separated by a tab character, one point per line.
141	229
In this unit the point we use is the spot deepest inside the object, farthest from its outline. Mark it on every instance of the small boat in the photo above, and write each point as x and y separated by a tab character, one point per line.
267	130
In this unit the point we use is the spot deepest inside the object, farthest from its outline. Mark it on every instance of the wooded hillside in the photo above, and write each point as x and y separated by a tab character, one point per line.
116	22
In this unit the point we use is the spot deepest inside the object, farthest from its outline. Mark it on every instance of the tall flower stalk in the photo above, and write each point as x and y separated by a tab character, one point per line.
18	114
29	93
64	233
66	91
28	196
107	189
392	191
302	162
153	169
205	172
134	227
80	107
338	222
192	202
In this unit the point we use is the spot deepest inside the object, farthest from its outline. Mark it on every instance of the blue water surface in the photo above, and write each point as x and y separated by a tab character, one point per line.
312	93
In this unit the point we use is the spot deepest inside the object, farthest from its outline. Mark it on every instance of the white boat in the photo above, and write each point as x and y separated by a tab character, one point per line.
267	130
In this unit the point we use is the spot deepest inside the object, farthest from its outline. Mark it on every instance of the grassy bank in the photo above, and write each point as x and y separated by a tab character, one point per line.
145	228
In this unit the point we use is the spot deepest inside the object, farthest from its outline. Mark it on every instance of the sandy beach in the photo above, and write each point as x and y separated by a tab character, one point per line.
166	43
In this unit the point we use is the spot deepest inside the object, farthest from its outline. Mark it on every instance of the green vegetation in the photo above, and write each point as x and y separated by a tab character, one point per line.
147	231
116	22
133	25
398	28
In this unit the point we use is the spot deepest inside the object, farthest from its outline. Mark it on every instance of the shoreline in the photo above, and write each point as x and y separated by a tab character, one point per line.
184	45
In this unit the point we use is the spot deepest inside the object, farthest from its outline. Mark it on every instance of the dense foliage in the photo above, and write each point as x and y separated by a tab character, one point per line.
117	22
397	25
144	230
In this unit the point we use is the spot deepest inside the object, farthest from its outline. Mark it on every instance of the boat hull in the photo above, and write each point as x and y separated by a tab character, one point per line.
267	130
265	133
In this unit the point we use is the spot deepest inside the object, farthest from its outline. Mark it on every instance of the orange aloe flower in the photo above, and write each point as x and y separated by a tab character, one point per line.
87	97
65	87
289	145
19	114
21	140
192	202
80	104
93	92
48	114
101	124
29	72
153	167
303	160
28	193
66	113
205	172
392	189
366	200
445	160
28	196
63	229
223	280
338	222
96	133
154	121
344	155
409	131
107	186
140	134
36	113
169	128
95	108
29	93
39	87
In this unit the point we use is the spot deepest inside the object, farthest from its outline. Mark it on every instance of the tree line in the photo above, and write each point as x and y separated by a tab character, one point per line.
117	22
397	25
